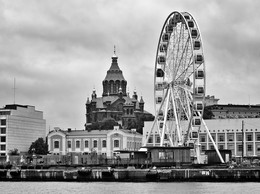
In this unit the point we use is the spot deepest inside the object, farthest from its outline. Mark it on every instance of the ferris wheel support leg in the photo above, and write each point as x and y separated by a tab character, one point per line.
165	118
197	150
155	121
213	142
149	133
176	118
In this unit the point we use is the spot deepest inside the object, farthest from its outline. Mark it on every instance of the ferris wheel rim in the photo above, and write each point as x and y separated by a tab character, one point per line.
190	100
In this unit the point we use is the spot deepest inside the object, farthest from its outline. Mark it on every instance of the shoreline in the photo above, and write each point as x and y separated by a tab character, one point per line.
132	175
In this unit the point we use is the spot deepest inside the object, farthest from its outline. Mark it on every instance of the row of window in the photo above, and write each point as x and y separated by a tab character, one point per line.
249	147
86	144
230	137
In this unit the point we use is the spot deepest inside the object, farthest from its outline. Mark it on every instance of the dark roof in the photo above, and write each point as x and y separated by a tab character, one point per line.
227	106
14	106
114	73
167	148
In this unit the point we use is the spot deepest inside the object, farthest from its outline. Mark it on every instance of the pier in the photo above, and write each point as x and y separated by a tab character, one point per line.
131	174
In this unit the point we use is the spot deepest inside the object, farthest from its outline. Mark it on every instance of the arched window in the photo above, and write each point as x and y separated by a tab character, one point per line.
116	143
77	144
95	144
104	143
86	143
56	144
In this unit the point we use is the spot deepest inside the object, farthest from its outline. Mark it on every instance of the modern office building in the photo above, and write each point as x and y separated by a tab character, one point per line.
101	142
20	125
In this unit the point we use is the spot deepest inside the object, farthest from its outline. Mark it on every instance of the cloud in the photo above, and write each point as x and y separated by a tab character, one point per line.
59	51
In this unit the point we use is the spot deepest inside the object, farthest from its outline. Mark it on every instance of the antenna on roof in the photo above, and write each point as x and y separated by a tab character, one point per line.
114	49
14	88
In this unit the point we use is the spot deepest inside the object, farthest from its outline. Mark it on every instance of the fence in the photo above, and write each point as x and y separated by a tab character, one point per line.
74	159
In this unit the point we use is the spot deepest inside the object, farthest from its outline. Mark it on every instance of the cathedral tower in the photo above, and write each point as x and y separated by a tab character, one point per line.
114	80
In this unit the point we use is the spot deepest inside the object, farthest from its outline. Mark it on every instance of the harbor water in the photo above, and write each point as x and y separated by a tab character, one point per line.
127	187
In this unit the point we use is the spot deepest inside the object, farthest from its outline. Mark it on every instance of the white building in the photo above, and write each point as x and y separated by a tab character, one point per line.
20	125
102	142
227	134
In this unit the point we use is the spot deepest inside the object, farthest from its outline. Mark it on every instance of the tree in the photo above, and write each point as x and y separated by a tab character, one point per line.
13	152
207	114
38	147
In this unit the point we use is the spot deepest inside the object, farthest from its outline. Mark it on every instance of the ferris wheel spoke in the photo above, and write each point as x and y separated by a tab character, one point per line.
190	63
178	49
182	54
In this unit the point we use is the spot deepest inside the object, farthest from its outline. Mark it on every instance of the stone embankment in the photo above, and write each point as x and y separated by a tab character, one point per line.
135	175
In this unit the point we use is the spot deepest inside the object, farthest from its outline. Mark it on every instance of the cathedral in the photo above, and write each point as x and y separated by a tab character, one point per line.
116	107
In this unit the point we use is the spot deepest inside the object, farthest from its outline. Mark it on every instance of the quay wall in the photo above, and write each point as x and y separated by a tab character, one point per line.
134	175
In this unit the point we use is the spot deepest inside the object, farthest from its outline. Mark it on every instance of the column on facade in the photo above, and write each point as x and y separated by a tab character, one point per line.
254	146
235	143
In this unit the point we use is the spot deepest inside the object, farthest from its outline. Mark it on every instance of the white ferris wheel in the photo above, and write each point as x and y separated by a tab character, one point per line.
179	84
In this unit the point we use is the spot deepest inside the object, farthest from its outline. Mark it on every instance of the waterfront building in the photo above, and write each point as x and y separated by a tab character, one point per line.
20	125
227	133
116	103
231	111
101	142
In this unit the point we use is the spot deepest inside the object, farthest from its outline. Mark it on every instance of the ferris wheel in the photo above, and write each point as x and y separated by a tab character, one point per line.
179	83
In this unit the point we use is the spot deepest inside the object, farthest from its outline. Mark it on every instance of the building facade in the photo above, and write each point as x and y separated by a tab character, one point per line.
116	103
231	111
20	125
101	142
241	136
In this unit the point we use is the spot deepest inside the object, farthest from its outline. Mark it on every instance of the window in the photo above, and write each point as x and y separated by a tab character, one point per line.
258	148
3	130
249	148
212	147
230	137
56	144
3	122
240	148
2	147
77	144
158	139
221	137
104	143
221	147
95	144
3	139
213	137
86	143
258	137
150	140
202	138
203	147
69	144
161	155
116	143
239	137
249	137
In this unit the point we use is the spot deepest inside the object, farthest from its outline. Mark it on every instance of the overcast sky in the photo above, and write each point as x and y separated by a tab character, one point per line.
58	51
